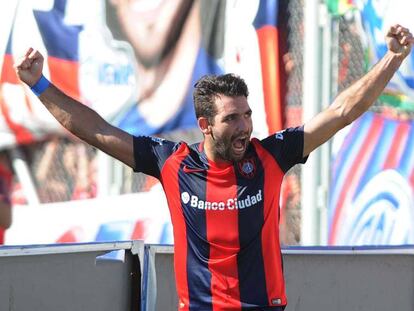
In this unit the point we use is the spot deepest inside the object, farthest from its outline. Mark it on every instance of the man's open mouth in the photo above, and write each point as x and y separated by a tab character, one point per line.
239	144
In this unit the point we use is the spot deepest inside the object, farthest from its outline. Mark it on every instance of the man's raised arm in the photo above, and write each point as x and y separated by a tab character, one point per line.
355	100
77	118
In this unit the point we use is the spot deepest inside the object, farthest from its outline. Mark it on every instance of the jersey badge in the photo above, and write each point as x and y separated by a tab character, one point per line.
157	140
247	168
279	135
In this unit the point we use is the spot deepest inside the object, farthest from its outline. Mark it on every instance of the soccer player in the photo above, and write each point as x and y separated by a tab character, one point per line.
223	193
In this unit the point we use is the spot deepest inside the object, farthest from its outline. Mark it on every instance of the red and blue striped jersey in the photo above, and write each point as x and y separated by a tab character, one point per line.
225	219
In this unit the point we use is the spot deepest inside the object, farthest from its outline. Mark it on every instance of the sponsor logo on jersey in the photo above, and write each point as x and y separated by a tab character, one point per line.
188	169
230	204
185	197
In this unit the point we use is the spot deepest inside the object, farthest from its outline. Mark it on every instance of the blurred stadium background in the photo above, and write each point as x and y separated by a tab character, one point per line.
66	191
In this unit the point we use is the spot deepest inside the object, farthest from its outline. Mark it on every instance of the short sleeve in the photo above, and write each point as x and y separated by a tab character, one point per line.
286	147
150	154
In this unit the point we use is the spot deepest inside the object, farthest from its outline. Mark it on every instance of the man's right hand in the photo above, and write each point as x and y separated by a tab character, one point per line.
29	67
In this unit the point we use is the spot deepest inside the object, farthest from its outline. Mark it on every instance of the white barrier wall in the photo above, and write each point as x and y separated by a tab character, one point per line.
76	277
70	277
317	279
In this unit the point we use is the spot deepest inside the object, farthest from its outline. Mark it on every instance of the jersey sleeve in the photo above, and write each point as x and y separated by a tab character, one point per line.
286	147
150	154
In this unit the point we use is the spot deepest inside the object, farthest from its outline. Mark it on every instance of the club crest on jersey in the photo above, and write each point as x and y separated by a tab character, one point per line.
279	135
157	140
247	168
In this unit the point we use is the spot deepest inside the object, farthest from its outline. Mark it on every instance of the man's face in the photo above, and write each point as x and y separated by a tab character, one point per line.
232	127
152	25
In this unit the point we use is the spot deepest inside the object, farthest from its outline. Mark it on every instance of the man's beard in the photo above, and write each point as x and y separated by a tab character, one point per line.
223	148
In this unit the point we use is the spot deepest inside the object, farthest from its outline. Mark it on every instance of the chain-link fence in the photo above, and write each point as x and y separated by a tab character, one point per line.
291	27
351	60
62	169
351	65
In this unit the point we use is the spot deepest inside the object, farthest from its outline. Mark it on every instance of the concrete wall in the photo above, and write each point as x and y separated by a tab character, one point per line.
77	277
321	279
70	277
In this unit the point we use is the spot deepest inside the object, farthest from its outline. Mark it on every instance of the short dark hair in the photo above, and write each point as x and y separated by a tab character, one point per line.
210	86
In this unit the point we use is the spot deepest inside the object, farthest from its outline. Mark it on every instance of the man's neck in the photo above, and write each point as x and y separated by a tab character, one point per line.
212	155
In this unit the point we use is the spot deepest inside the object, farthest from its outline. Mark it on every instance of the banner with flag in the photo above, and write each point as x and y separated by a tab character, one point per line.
80	58
377	16
128	63
372	189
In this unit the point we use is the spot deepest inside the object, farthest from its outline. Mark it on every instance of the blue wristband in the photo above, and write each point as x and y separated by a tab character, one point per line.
40	86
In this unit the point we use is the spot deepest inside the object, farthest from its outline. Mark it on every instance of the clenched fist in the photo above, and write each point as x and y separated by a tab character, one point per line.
399	40
29	67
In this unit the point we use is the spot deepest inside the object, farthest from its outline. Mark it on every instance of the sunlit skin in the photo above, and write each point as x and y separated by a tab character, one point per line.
227	137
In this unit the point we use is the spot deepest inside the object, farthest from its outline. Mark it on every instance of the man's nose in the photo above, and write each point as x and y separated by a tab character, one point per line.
244	124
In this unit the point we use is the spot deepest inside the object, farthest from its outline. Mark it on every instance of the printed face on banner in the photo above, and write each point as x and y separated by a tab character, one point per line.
135	62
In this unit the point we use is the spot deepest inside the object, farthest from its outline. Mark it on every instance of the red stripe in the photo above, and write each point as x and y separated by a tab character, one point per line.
272	256
169	177
6	175
8	74
355	173
269	57
397	147
412	179
64	74
223	236
23	135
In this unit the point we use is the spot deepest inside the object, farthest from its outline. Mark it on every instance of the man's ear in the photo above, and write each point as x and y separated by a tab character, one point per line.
204	125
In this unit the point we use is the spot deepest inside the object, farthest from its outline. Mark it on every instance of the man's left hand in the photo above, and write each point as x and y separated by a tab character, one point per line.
399	40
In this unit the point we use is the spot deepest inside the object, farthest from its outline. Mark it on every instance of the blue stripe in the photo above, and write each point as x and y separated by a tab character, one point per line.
345	159
382	196
61	41
145	277
9	43
252	279
198	249
343	153
266	14
379	154
407	159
